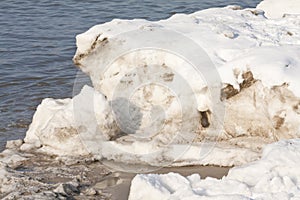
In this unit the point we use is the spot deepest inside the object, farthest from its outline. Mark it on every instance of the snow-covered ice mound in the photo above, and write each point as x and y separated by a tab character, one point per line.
212	87
60	130
275	176
279	8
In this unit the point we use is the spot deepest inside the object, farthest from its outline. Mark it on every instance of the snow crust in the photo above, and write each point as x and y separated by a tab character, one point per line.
274	176
149	103
279	8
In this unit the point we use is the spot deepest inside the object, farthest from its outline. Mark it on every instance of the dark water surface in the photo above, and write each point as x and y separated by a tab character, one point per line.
37	43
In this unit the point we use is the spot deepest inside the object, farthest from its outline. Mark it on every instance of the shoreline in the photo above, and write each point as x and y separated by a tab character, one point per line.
120	191
254	126
39	175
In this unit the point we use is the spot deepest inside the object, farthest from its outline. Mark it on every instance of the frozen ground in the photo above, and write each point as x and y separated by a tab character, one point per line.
34	175
209	88
40	176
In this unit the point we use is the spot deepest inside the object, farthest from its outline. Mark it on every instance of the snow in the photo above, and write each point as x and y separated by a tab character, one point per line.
279	8
221	86
209	88
61	126
274	176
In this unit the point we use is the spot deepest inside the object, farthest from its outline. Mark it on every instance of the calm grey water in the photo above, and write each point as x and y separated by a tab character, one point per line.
37	43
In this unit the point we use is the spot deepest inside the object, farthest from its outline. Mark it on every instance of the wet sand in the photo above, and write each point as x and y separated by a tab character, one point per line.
85	178
118	183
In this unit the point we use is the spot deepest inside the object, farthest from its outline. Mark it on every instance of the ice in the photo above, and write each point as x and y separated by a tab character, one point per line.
274	176
66	126
279	8
209	88
216	90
